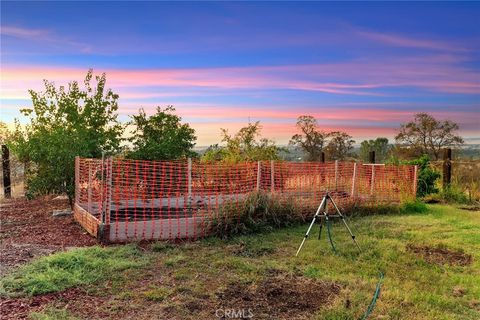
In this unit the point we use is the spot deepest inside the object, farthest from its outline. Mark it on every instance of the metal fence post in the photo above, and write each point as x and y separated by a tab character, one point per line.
372	186
272	176
354	178
259	174
189	181
415	178
108	191
336	174
89	187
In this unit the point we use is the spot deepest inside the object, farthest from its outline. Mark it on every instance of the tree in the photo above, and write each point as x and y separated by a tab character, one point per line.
379	145
427	135
64	123
161	136
245	145
5	133
339	146
312	140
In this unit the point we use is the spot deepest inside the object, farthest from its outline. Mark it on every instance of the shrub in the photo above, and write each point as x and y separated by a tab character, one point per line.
427	176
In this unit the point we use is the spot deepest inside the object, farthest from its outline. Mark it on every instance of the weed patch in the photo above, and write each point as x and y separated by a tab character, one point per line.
251	250
258	213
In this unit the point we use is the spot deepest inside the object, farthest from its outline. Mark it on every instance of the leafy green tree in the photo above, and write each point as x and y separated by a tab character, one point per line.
312	140
245	145
340	145
379	145
64	123
161	136
427	135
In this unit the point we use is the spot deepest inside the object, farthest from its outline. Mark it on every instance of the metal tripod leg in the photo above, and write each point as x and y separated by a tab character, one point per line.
324	215
346	225
320	231
311	225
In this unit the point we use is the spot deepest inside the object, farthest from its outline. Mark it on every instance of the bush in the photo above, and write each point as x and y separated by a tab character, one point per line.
427	176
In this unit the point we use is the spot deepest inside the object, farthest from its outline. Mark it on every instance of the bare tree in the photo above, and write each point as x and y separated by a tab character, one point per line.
427	135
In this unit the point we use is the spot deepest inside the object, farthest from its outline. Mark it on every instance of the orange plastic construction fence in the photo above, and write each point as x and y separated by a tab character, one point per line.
122	200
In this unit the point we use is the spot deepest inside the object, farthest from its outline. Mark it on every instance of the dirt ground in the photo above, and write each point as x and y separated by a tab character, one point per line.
28	230
441	255
280	297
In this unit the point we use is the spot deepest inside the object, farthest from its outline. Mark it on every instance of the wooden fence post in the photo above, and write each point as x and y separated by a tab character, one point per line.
7	183
447	167
322	157
371	157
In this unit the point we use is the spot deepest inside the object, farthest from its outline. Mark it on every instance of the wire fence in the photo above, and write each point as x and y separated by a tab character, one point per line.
122	200
465	175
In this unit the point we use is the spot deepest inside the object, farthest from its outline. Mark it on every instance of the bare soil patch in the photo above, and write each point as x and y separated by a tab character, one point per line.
28	230
74	299
470	207
441	256
280	297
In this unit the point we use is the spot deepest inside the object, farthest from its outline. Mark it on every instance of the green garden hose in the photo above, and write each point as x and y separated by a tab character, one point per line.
374	299
376	294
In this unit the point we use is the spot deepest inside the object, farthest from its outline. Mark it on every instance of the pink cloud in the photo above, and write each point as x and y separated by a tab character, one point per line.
44	36
359	77
410	42
32	34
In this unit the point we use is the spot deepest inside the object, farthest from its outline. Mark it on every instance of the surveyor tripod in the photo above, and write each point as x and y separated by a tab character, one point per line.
324	216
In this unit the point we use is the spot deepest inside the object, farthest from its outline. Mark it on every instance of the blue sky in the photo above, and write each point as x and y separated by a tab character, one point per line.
359	67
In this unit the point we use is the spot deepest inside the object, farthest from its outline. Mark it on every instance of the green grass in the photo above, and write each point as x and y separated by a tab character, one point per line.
177	277
63	270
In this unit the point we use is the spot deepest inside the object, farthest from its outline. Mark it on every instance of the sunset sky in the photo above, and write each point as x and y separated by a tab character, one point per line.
359	67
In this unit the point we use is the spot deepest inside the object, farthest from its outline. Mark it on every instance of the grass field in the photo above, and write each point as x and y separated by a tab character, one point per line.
430	261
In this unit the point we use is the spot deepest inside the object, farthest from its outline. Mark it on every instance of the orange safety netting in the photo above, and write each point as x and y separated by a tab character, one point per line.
142	200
